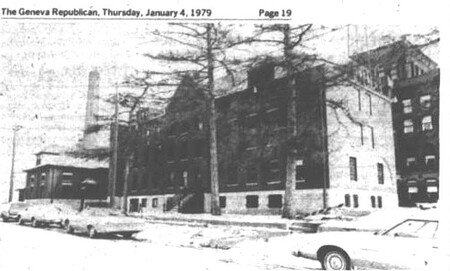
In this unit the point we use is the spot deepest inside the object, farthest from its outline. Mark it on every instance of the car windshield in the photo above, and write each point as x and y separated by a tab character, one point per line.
414	229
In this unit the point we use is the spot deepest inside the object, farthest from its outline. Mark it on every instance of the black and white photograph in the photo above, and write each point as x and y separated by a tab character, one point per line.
213	137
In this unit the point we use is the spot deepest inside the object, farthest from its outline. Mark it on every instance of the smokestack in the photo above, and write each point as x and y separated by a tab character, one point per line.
92	109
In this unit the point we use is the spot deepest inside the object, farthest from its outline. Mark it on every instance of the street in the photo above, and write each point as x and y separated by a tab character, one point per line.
26	248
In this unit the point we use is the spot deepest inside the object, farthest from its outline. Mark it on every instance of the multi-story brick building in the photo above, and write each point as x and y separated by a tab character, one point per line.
344	148
413	78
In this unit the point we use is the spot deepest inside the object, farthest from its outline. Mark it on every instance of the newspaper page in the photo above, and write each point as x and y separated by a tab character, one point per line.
199	135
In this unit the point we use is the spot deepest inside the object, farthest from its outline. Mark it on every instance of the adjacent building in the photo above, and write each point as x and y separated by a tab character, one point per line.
57	176
344	148
413	78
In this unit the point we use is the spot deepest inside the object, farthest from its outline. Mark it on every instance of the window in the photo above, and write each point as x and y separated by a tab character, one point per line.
275	201
299	171
155	203
184	129
43	177
223	202
380	202
251	121
171	179
198	148
408	126
185	178
353	169
380	170
183	150
170	152
355	201
373	201
347	200
369	103
426	123
252	201
32	178
251	174
407	107
134	205
413	190
372	136
425	101
430	161
361	128
410	161
359	100
143	203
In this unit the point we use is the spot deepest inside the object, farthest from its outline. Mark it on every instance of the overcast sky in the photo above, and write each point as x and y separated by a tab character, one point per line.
45	67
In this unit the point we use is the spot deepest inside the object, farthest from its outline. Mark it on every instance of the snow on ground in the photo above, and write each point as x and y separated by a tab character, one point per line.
26	248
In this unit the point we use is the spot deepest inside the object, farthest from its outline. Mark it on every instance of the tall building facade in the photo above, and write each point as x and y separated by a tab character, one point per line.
344	152
413	79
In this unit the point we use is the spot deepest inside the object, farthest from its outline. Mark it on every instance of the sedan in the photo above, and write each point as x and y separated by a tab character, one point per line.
411	244
42	215
95	221
10	211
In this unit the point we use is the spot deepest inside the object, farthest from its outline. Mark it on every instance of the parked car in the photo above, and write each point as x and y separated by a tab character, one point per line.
95	221
42	215
411	244
10	211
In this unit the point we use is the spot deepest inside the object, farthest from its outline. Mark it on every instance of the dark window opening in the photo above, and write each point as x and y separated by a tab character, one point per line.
134	205
355	201
347	200
184	150
170	152
353	169
198	148
275	201
143	203
252	201
154	203
380	169
372	200
380	202
299	171
251	174
223	202
232	174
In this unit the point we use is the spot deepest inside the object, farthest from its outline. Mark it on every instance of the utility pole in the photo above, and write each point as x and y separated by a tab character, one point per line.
11	181
114	147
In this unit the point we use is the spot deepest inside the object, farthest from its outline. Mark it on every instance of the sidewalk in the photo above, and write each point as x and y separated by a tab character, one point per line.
242	220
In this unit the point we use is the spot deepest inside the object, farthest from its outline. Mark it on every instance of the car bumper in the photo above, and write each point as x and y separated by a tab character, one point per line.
303	254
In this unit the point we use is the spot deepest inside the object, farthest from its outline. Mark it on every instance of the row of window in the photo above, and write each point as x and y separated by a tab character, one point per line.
427	124
375	201
424	101
430	161
252	201
353	166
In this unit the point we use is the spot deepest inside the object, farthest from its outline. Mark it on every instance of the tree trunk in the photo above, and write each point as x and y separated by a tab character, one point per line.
126	176
114	146
289	208
215	206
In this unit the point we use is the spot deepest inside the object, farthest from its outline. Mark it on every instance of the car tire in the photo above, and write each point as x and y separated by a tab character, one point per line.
21	221
335	259
34	223
92	232
5	219
67	227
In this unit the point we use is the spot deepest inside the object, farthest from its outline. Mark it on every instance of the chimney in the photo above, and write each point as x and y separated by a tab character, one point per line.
92	109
